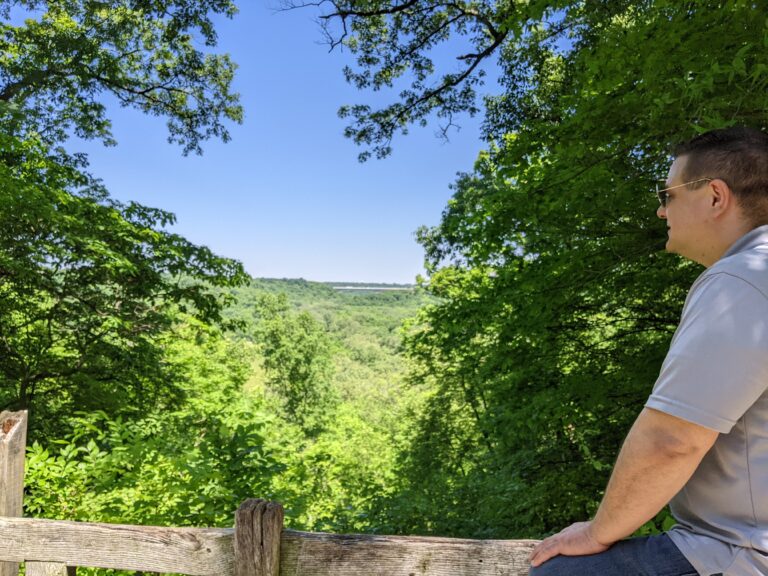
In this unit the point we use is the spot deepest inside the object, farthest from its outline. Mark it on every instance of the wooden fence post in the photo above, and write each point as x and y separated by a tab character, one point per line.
258	526
13	443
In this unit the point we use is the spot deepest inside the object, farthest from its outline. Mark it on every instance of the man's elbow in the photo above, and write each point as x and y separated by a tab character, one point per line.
671	437
672	446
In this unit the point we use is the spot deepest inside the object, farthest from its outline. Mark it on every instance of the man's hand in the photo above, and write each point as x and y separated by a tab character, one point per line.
576	540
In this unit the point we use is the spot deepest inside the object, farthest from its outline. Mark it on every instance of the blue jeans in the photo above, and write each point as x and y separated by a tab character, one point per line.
647	556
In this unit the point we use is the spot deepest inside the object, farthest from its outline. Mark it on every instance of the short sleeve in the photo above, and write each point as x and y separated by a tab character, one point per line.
717	365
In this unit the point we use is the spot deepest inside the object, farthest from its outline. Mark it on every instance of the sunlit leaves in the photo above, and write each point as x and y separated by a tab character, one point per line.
60	62
87	286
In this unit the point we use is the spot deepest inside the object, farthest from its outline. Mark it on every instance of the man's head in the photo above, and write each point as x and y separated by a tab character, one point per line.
720	192
738	156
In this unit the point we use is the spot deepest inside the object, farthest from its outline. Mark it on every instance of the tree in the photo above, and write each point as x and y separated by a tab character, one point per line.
297	359
87	286
59	63
565	60
556	300
189	464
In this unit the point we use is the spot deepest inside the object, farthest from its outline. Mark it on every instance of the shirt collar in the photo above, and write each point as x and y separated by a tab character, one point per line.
753	238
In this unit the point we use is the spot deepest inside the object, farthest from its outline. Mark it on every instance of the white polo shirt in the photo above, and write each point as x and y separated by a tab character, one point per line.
716	375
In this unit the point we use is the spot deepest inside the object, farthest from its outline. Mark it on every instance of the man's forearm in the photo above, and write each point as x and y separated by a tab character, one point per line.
652	467
657	459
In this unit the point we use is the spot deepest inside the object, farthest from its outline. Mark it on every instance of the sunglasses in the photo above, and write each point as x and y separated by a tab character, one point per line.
663	193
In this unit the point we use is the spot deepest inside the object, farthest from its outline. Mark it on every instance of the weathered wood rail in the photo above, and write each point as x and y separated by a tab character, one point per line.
257	545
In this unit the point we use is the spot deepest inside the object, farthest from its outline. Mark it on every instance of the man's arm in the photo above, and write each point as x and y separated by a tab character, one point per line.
659	455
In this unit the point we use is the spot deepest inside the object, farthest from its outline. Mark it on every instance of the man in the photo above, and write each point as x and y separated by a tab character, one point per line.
701	442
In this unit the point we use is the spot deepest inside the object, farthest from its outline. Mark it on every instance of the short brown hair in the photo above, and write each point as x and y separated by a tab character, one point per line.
739	157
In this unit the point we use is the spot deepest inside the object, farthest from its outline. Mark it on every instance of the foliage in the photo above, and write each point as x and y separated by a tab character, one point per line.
229	436
182	466
297	358
88	286
362	331
555	303
337	477
559	61
59	58
392	39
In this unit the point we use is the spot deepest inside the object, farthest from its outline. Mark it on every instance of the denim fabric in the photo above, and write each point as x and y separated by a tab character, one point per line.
647	556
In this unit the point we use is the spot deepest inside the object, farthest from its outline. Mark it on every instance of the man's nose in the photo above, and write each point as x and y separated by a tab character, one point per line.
661	212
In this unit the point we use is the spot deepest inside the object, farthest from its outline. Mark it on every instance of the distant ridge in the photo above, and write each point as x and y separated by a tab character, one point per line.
370	286
376	288
295	285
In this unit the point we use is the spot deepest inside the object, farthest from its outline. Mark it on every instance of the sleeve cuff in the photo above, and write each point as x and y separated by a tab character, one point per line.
689	413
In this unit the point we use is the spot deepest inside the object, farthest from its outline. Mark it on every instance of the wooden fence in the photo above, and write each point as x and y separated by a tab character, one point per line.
257	545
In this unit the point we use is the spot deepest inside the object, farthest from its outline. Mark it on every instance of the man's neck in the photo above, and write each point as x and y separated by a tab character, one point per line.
723	241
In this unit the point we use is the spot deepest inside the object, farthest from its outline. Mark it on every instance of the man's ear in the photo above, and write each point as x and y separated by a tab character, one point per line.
721	196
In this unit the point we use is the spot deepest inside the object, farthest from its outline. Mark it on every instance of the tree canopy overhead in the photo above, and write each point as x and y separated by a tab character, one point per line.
565	60
60	58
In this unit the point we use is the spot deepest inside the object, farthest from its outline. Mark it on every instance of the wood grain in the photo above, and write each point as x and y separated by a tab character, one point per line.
210	551
247	549
13	444
193	551
314	554
272	531
49	569
258	527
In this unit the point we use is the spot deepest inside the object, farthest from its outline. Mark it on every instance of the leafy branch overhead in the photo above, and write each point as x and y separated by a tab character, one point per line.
60	58
434	56
398	43
392	40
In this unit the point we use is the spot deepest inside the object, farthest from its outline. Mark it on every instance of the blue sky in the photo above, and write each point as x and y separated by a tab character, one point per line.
287	196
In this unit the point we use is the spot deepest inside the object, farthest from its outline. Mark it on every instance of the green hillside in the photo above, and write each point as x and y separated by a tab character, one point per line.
304	402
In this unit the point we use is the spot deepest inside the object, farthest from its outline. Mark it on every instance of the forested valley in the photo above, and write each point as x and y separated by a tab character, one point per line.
165	385
302	400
